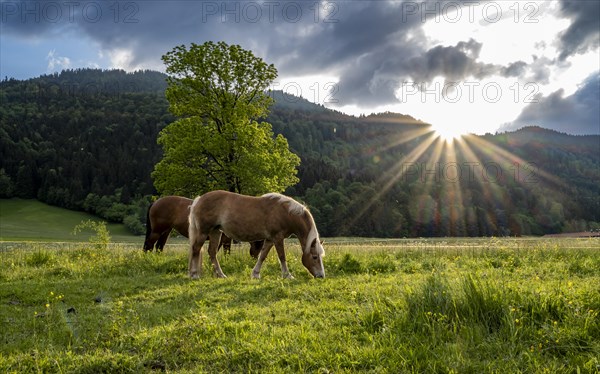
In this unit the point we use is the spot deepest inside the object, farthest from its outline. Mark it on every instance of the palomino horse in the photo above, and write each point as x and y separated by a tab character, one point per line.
171	212
272	217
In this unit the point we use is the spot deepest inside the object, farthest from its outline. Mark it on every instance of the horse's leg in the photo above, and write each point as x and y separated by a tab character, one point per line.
160	244
281	254
263	254
148	245
225	242
213	246
255	248
195	258
151	240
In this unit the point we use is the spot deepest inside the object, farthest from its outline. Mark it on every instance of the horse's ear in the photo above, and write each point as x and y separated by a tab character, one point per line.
322	242
313	244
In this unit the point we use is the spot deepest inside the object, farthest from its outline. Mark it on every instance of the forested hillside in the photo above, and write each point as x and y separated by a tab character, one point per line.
86	140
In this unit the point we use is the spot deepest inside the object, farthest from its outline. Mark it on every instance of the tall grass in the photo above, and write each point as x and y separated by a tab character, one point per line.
399	306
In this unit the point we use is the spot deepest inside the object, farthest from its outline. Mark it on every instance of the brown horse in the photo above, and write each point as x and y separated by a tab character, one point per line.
164	215
272	217
171	212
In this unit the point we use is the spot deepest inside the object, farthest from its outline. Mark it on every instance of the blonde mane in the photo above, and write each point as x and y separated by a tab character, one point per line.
294	207
312	235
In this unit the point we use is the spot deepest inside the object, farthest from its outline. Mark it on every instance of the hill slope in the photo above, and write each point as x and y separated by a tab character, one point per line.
34	220
86	140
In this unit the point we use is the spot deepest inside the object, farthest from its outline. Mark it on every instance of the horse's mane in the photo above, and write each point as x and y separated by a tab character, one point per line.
294	207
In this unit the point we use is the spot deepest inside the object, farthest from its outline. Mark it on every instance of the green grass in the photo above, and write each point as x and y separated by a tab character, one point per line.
33	220
439	306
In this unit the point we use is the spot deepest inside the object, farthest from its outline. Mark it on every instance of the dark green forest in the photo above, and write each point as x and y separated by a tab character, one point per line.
86	140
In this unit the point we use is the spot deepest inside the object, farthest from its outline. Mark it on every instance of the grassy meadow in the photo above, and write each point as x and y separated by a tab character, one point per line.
34	220
388	306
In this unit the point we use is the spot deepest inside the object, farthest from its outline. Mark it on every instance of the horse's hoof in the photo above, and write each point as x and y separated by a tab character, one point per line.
255	276
221	275
288	276
194	276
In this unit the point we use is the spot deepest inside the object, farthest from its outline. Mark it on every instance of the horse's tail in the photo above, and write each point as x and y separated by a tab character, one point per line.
148	229
194	226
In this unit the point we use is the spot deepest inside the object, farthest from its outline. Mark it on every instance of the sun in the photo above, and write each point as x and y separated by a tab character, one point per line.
449	133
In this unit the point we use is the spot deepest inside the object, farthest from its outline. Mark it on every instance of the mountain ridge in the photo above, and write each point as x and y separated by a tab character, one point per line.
85	80
86	140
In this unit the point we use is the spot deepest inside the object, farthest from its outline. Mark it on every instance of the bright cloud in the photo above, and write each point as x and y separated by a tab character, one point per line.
121	59
56	63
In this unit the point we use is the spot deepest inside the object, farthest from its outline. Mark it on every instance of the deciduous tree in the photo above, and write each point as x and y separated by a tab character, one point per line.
219	93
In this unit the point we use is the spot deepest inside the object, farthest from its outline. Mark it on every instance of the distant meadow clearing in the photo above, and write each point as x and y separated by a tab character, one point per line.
386	306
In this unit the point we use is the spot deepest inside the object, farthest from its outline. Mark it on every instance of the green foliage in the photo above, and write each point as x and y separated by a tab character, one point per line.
39	258
484	303
127	311
218	82
218	90
381	263
101	237
134	224
109	207
192	164
81	131
6	185
349	265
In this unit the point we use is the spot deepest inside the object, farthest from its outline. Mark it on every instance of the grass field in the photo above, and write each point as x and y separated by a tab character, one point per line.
33	220
389	306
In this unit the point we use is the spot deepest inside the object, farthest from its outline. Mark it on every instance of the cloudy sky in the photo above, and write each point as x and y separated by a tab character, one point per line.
464	66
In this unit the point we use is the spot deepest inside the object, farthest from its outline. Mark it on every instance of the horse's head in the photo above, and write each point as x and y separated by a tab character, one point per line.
312	259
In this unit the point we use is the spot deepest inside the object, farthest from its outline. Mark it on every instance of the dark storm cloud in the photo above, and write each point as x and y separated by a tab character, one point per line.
300	37
584	32
374	79
148	28
363	48
358	31
515	69
372	46
577	114
539	70
452	62
31	19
